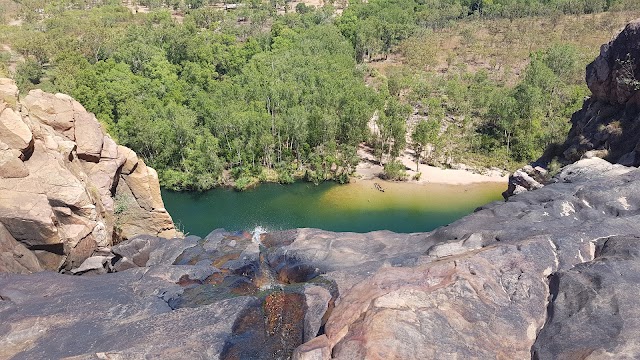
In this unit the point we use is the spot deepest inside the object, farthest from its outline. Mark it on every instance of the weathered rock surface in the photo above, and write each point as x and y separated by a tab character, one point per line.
594	306
58	175
14	132
15	257
613	76
122	316
540	275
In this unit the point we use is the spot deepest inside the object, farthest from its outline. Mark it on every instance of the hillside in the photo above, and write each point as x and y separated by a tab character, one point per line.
238	96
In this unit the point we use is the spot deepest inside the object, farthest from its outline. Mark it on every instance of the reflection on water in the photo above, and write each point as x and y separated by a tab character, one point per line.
357	207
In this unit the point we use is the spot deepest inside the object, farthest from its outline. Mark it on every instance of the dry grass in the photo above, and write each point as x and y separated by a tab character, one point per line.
502	47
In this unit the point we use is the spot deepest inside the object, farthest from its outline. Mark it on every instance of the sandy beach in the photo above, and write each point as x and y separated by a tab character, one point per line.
368	168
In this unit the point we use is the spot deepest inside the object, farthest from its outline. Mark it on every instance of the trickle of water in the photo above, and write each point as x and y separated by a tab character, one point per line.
257	231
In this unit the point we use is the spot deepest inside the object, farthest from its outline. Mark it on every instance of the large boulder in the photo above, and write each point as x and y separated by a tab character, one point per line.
484	304
613	77
14	132
56	111
58	177
89	136
17	210
141	182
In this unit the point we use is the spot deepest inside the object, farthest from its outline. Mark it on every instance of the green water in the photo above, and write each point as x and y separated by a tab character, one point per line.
356	207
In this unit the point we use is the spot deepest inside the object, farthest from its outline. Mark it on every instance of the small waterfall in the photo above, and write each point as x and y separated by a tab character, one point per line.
257	231
265	278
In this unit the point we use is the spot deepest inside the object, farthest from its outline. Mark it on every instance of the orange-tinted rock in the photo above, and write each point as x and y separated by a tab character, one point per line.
130	159
53	110
14	132
89	137
144	185
54	154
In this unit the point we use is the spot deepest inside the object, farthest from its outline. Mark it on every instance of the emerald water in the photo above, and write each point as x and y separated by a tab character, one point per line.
357	207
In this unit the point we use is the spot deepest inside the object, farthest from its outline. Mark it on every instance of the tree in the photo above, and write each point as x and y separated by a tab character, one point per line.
426	132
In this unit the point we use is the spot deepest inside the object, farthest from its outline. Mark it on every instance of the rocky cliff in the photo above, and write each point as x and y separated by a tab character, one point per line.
608	125
66	188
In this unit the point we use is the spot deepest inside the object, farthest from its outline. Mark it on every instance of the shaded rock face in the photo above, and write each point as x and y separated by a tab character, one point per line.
609	120
544	275
612	77
59	173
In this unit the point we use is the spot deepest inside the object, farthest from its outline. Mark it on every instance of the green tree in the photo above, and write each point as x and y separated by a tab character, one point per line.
424	134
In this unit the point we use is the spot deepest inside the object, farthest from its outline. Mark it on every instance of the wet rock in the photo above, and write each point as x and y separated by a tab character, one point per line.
348	258
270	329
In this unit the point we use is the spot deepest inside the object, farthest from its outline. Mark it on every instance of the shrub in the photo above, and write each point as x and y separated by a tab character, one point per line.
395	170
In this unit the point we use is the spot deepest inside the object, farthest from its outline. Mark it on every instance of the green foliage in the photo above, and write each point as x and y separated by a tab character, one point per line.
376	26
245	182
395	170
426	132
192	99
28	74
533	115
281	97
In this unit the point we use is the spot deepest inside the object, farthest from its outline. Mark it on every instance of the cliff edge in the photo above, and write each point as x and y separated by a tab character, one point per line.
66	188
608	124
